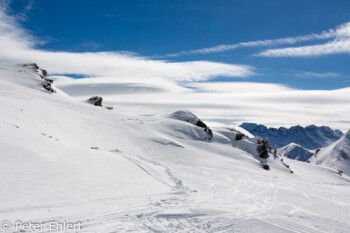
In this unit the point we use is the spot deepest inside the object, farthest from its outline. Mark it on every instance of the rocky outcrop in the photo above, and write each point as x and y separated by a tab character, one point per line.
46	84
32	66
240	136
95	100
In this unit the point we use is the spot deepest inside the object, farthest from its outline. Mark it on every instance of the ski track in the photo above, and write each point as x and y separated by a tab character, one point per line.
162	213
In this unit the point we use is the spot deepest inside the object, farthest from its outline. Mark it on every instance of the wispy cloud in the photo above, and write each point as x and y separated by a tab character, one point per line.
261	43
340	44
317	75
21	15
17	45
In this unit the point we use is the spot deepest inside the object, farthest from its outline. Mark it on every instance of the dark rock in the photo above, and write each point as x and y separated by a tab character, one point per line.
206	129
32	66
96	100
44	72
109	108
240	136
266	167
263	148
200	123
47	86
48	80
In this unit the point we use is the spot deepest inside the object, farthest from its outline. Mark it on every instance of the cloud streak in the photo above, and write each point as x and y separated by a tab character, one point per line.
317	75
261	43
340	44
333	47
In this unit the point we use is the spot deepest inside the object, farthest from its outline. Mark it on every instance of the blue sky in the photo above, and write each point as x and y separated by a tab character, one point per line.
157	28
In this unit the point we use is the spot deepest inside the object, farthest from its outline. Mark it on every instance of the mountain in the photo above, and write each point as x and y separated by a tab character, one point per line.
63	159
311	137
295	151
336	155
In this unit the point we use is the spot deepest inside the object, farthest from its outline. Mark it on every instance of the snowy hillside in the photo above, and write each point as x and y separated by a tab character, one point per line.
336	155
311	137
295	151
68	160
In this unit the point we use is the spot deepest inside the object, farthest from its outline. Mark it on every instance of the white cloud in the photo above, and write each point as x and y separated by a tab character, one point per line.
239	87
260	43
230	103
17	45
340	44
317	75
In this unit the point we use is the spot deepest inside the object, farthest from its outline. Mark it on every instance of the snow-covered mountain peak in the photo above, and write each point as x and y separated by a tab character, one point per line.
295	151
336	155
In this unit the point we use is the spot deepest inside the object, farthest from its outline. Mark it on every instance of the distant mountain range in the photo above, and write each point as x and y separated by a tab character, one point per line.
311	137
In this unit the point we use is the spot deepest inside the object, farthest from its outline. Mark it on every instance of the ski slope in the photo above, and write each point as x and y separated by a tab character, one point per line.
63	159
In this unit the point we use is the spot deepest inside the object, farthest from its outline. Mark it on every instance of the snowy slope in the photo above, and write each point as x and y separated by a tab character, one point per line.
336	155
295	151
66	160
311	137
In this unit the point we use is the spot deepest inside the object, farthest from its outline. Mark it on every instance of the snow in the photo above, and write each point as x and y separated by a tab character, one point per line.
63	159
311	137
295	151
336	155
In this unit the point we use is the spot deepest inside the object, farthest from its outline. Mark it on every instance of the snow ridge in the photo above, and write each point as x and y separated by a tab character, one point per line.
336	155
